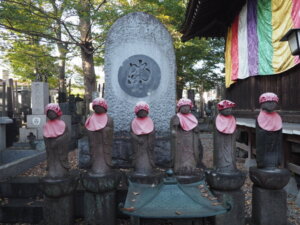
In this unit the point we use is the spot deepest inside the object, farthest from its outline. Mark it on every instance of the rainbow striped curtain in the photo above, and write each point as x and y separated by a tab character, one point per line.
253	44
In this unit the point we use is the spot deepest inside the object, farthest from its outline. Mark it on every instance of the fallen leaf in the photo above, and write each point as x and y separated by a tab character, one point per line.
131	209
178	213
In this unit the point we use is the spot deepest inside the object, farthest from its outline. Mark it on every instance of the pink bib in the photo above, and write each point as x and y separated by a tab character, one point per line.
225	124
269	121
96	121
142	125
54	128
187	121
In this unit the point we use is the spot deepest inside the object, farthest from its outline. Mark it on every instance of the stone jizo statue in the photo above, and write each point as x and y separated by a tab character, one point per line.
185	139
143	137
56	137
100	133
268	132
224	138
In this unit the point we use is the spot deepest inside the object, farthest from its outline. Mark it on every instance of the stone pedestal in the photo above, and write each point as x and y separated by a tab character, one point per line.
226	187
3	122
236	215
25	132
100	198
269	207
273	179
36	122
59	200
269	200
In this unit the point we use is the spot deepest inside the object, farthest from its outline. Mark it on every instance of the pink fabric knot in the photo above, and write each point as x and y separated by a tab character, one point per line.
96	121
226	124
224	104
269	121
54	128
187	121
141	126
184	101
141	105
268	97
54	107
100	101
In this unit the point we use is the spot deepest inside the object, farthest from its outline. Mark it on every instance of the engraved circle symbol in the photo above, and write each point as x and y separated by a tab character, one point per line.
139	76
36	121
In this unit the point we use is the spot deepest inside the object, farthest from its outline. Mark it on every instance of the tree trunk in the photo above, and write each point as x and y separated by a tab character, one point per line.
63	50
62	94
87	51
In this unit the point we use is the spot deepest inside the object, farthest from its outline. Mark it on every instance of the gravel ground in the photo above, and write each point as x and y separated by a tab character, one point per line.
207	142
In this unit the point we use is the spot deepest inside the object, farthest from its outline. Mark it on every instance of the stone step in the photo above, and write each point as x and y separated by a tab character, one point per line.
21	200
21	187
21	211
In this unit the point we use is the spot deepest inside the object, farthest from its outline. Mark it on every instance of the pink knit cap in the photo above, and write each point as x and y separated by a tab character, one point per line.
54	107
100	102
141	105
224	104
268	97
184	101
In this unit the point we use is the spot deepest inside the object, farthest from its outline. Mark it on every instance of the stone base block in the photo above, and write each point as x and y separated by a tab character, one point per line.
24	132
100	208
59	199
37	122
269	207
236	215
100	198
59	211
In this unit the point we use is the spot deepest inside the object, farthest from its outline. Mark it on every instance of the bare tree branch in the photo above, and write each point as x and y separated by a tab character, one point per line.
35	33
99	6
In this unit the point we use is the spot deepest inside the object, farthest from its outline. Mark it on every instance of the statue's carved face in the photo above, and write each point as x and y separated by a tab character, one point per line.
142	113
185	109
99	109
52	115
269	106
226	112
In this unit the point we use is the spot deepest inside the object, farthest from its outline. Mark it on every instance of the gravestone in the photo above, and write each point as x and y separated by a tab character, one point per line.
39	99
139	65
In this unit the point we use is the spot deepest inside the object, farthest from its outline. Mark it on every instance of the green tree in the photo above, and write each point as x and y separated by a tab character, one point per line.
31	60
66	23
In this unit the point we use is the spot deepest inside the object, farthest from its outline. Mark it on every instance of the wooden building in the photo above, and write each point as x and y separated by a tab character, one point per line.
217	18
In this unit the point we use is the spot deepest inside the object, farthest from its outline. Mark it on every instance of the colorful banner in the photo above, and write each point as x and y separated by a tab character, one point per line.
253	44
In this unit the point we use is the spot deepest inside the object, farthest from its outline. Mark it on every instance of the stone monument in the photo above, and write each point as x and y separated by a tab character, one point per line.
186	144
225	180
58	185
4	120
269	201
100	181
140	65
